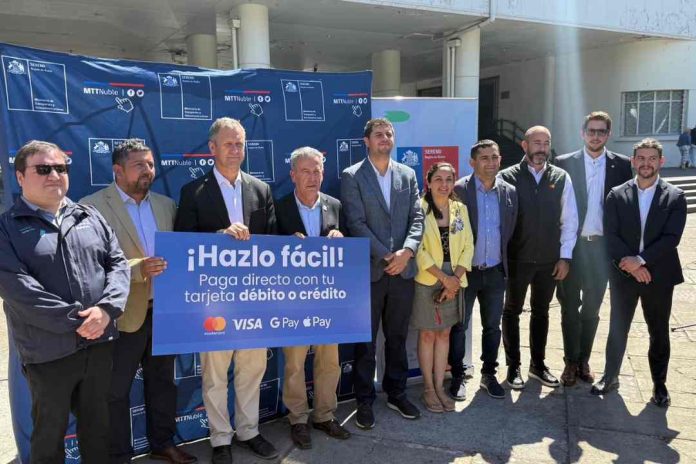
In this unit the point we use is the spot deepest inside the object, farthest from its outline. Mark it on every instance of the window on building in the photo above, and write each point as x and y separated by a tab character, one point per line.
653	112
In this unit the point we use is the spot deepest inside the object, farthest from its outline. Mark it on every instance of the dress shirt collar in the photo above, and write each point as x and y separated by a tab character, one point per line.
387	172
222	180
601	158
127	198
649	189
481	188
534	171
303	206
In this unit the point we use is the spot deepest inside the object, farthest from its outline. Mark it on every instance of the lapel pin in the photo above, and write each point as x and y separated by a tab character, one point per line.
552	186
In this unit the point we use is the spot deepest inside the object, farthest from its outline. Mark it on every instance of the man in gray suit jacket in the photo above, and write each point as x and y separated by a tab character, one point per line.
492	205
380	201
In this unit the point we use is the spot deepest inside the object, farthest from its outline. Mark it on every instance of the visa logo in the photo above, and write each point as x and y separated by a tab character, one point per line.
247	324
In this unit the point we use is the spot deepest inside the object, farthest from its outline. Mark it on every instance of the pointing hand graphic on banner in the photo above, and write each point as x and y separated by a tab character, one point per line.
255	109
124	104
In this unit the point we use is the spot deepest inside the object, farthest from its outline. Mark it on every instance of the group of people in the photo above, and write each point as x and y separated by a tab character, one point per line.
687	147
76	279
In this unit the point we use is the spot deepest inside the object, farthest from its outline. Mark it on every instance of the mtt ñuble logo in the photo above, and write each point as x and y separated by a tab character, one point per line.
214	324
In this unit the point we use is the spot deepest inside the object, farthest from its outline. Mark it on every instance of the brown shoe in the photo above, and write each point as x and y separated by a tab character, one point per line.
332	428
300	435
585	373
174	455
448	404
570	374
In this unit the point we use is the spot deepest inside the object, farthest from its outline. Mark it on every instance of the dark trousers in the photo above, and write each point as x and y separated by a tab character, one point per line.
580	295
489	287
78	383
132	349
657	306
391	299
542	283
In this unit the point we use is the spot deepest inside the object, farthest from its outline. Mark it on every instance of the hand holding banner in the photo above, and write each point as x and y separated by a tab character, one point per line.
221	294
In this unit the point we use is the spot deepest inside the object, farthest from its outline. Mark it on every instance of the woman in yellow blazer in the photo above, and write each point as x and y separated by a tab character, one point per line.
443	259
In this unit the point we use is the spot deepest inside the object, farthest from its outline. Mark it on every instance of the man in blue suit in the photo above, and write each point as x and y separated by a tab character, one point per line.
380	201
492	205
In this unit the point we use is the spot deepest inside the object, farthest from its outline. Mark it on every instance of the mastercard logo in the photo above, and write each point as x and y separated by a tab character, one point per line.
215	324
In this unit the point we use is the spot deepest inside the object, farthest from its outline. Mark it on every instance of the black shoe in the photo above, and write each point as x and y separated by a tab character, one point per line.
260	447
543	375
491	385
404	407
457	389
514	378
660	396
300	435
222	454
333	429
605	385
364	417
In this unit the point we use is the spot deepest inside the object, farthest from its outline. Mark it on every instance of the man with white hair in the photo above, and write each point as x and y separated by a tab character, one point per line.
307	212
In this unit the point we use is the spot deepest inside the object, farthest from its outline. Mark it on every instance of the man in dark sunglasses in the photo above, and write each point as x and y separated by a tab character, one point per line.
594	170
64	280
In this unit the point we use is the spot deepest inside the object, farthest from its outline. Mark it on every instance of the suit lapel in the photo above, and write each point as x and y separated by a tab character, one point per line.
116	204
395	186
215	196
472	205
579	177
632	196
610	174
654	204
368	173
327	218
294	213
247	195
158	211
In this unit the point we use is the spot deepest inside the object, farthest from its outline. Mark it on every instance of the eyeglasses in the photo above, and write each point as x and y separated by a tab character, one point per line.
595	132
45	169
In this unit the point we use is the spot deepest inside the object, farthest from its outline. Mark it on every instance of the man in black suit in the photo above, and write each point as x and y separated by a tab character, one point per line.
230	201
644	221
594	170
307	212
492	205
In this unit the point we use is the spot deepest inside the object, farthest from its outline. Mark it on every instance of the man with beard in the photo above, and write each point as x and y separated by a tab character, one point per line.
539	252
594	170
135	213
380	201
644	222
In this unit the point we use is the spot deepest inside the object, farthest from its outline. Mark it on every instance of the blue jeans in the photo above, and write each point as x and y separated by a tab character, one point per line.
489	287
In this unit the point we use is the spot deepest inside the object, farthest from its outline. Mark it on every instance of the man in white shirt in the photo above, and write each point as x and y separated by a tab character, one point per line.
644	222
230	201
540	251
594	170
308	212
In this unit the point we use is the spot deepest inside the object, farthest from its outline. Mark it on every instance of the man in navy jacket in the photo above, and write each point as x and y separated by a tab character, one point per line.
64	281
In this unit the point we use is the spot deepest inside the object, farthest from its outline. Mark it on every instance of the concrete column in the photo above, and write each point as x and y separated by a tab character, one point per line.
549	92
386	73
254	41
202	50
467	64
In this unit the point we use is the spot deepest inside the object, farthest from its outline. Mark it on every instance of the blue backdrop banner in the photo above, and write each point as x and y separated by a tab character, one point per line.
88	105
219	293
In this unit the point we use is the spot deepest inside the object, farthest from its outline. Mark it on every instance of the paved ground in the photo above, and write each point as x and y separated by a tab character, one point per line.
538	425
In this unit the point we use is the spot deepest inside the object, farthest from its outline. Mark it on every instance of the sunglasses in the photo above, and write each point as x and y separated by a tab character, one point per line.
45	169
